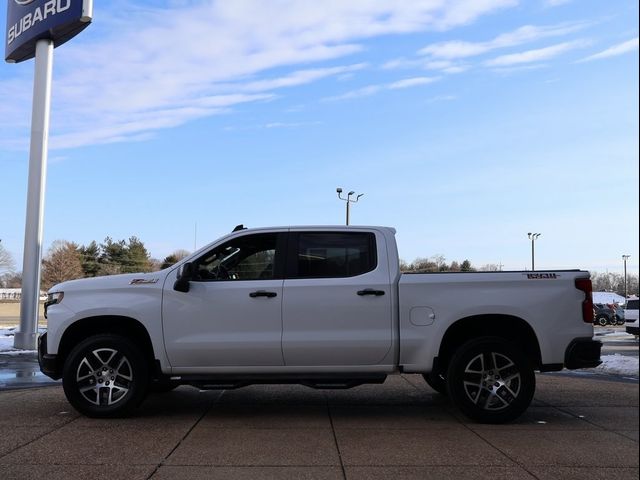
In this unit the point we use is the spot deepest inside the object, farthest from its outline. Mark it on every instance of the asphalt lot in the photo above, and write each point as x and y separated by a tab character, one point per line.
581	425
583	428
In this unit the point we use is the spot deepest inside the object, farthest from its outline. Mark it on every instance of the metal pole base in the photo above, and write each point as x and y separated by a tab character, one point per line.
25	340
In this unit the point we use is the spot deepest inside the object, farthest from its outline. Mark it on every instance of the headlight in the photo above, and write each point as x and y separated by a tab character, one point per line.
52	299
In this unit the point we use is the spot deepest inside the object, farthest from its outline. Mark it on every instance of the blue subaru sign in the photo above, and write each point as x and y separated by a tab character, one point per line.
31	20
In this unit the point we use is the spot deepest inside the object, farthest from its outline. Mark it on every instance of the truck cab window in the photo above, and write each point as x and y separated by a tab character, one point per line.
251	257
335	255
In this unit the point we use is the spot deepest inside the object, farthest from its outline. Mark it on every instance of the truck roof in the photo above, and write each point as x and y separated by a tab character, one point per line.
317	227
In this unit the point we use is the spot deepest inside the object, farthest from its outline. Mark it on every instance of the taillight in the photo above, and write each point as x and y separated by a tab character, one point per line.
584	284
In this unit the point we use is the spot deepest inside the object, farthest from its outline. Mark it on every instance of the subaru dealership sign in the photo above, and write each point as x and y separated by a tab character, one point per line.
31	20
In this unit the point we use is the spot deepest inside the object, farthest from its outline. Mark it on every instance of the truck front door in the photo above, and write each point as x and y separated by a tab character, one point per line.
232	313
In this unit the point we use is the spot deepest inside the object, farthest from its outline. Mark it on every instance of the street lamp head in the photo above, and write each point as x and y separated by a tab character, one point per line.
359	196
351	193
529	234
339	190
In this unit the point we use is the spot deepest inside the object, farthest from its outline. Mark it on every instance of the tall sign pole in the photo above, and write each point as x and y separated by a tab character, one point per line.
34	28
26	337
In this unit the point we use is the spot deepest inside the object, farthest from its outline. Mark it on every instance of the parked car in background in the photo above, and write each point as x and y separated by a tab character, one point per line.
631	317
619	309
603	315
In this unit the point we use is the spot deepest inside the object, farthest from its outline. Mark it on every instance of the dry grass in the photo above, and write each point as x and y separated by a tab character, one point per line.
10	314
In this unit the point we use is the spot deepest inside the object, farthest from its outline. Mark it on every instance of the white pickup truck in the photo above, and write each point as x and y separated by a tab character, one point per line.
326	307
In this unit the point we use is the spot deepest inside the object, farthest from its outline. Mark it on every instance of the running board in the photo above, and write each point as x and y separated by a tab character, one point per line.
319	381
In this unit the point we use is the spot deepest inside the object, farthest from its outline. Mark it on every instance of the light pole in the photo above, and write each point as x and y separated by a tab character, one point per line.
533	237
348	199
624	259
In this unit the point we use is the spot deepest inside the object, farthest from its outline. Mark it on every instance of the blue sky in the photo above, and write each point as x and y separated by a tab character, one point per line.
465	124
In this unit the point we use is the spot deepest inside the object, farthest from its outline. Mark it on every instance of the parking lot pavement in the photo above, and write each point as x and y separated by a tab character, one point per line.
584	428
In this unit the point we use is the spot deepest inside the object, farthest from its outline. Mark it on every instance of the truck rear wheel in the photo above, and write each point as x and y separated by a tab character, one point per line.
105	376
490	380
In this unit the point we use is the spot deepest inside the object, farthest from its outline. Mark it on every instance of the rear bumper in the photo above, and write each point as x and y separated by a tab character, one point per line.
583	353
49	364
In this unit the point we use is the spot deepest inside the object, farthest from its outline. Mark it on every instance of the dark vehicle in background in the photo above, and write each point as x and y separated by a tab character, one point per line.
603	315
619	309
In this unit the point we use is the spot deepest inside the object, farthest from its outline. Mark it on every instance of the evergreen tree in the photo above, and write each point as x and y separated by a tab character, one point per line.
136	257
113	255
467	267
173	258
90	258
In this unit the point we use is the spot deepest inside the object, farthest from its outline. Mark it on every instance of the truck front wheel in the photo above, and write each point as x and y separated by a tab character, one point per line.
105	376
436	381
490	380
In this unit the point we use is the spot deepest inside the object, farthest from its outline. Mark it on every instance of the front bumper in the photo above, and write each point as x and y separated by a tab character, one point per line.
49	364
583	353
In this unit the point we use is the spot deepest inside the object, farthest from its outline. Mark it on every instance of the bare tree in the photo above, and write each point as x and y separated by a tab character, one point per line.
63	262
490	267
614	282
6	260
11	280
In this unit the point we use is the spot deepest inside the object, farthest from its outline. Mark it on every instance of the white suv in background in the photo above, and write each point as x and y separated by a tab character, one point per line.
631	316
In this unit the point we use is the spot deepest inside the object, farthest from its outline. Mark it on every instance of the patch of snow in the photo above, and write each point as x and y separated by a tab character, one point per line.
619	364
6	345
6	341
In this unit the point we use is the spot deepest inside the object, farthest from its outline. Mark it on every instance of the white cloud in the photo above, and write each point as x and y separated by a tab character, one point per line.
450	56
297	78
373	89
526	34
442	98
357	93
556	3
411	82
536	55
140	69
619	49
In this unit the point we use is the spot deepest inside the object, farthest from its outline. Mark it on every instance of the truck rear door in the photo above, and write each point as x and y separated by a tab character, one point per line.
336	306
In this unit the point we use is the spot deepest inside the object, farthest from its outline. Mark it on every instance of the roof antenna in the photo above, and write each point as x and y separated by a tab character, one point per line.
239	227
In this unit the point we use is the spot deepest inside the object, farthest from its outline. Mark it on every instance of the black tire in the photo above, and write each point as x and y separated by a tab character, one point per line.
620	321
602	320
436	381
474	388
105	376
612	320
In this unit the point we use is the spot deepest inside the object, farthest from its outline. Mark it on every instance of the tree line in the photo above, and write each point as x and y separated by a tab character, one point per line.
68	260
602	282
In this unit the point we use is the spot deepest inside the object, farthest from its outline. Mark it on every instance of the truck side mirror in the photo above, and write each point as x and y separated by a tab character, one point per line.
185	273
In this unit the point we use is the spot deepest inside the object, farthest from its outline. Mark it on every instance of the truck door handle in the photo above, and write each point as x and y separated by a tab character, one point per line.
263	293
370	291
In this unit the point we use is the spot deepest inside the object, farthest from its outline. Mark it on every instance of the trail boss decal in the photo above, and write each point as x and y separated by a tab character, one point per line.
537	276
141	281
